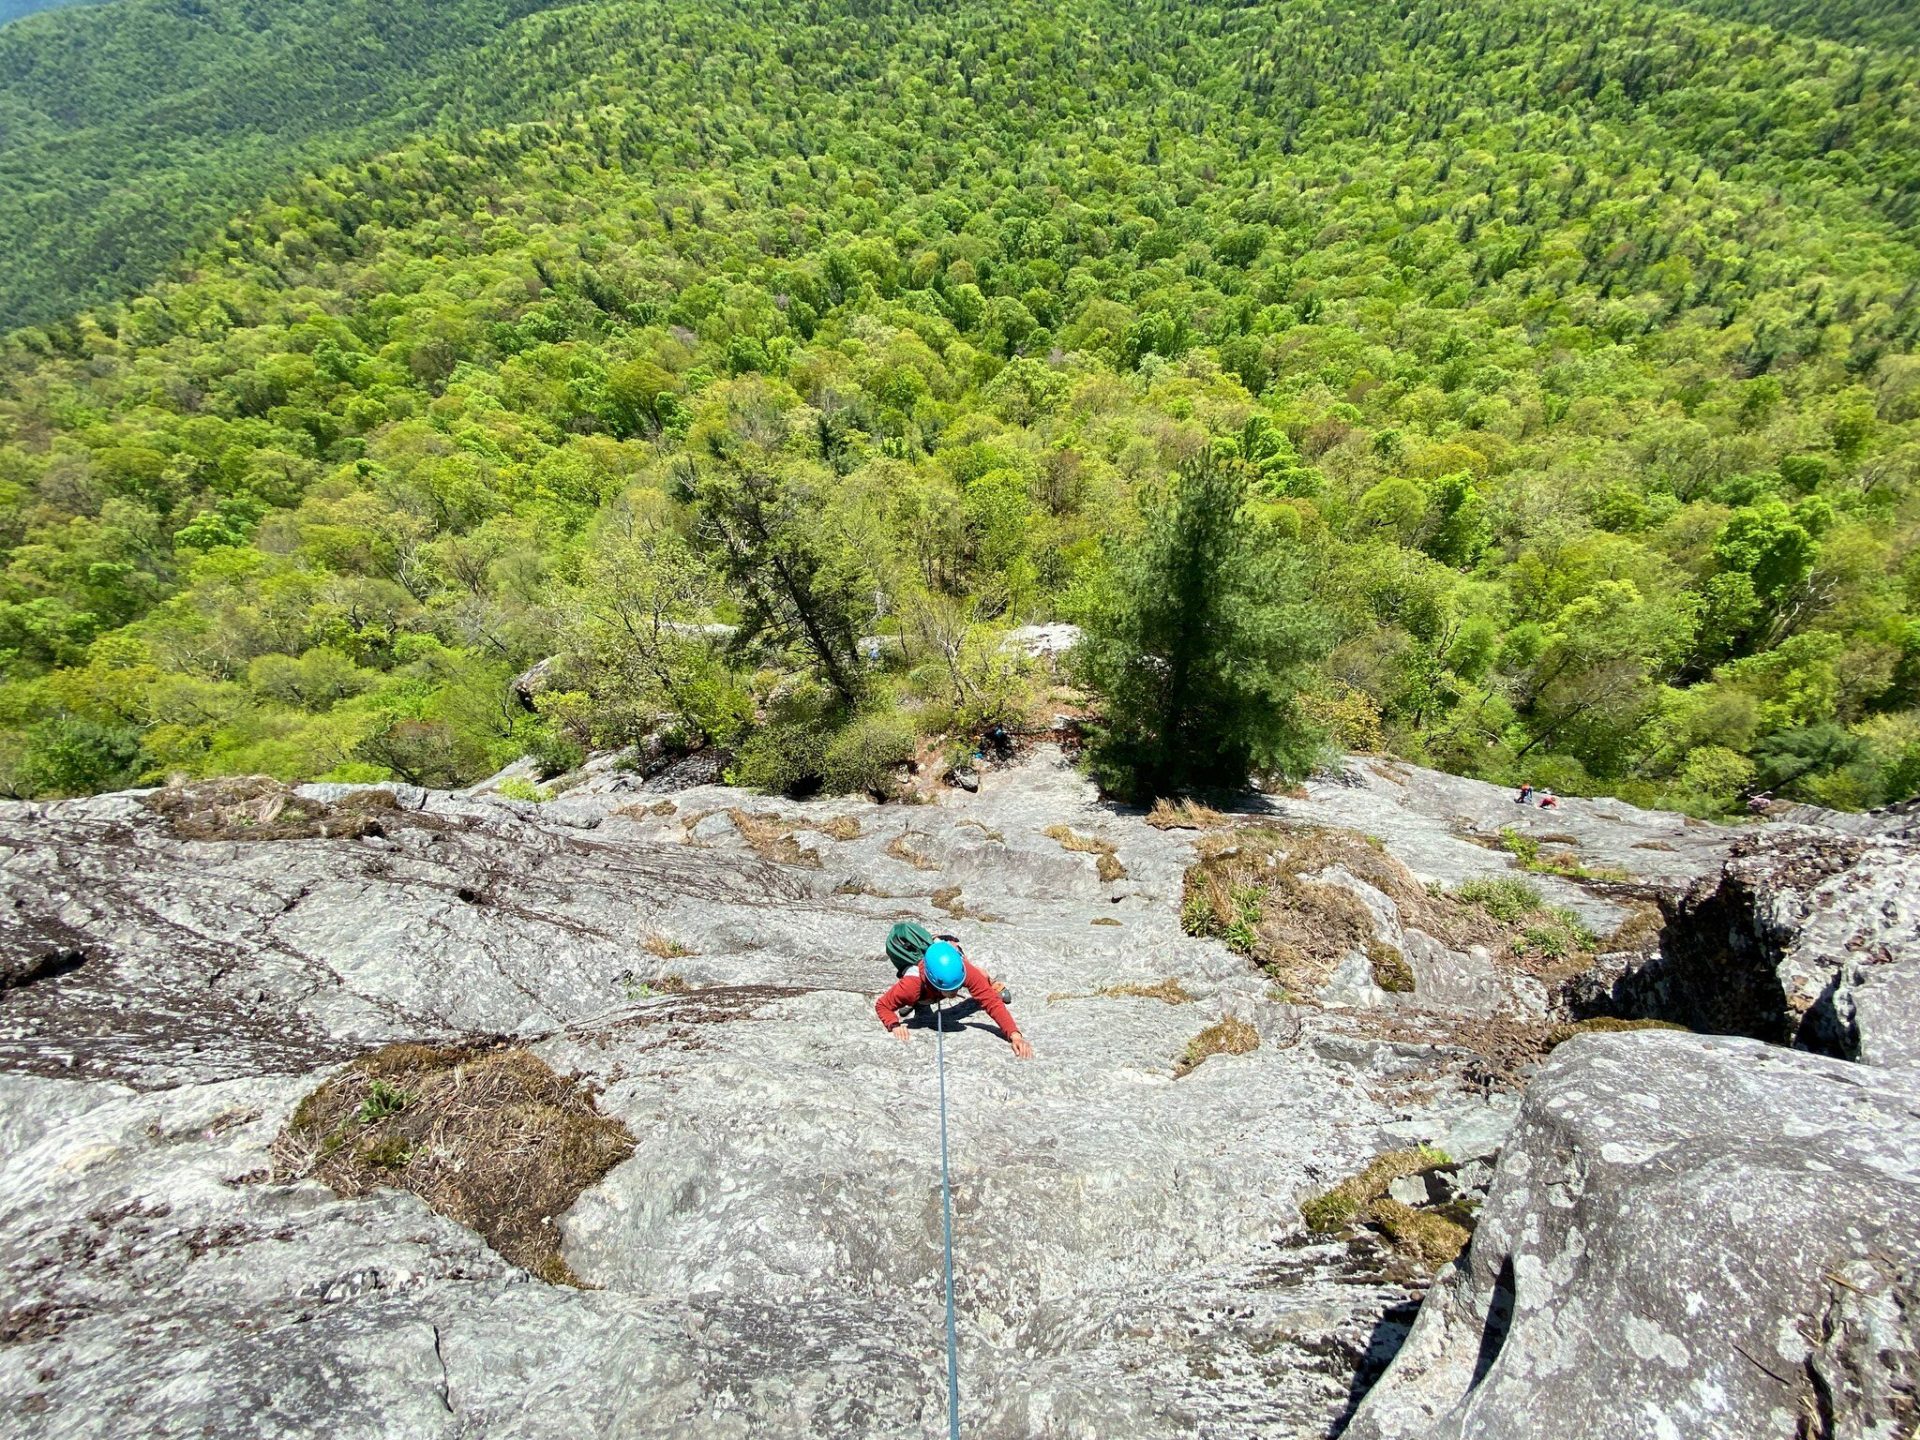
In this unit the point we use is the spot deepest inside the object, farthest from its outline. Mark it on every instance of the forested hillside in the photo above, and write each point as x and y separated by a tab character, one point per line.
14	9
1545	372
1859	22
129	131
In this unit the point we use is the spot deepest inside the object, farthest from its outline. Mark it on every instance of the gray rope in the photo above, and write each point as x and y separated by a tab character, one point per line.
946	1199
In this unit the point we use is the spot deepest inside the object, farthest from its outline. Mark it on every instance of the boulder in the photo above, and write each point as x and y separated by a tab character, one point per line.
1687	1238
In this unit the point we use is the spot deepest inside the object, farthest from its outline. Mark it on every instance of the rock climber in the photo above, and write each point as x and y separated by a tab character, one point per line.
1526	794
1549	800
942	972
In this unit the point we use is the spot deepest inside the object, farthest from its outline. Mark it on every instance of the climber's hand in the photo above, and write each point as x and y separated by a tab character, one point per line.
900	1033
1020	1046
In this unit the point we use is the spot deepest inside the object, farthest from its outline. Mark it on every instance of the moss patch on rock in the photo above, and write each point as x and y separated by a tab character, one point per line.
1428	1236
491	1138
1390	969
1604	1025
1229	1035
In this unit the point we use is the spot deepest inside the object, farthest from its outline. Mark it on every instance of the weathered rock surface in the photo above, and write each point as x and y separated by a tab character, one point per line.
1446	829
768	1261
1808	937
1687	1238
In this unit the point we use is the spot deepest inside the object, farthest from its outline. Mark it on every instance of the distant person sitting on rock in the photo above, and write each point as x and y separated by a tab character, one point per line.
1549	800
944	971
1526	794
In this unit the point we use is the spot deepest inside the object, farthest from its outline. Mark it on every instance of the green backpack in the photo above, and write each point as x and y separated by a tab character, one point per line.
907	945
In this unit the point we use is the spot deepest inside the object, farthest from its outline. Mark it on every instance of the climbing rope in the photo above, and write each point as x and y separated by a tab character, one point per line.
946	1201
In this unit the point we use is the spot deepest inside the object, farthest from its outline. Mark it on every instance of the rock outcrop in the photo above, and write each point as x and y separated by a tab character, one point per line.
1808	937
183	970
1695	1238
1708	1238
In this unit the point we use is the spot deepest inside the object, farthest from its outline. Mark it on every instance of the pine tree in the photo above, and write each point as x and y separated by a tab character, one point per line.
1201	645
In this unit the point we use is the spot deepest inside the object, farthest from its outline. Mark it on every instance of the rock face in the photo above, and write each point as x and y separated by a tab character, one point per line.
1705	1239
1808	938
1708	1237
173	982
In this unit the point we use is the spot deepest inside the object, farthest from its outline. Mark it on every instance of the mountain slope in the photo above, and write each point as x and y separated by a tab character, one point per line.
16	9
128	131
1573	368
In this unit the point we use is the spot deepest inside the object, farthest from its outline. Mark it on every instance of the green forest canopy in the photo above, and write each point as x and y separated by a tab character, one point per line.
131	131
1568	350
14	9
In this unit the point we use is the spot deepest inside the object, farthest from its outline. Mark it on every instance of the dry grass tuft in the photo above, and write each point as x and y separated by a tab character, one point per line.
1228	1036
493	1139
1071	839
900	849
1184	815
1253	889
947	898
257	807
840	827
1169	990
1106	862
771	838
664	947
1103	920
1428	1236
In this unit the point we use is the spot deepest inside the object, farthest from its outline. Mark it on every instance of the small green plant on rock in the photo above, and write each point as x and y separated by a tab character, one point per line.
518	787
1523	848
1242	932
1556	934
382	1100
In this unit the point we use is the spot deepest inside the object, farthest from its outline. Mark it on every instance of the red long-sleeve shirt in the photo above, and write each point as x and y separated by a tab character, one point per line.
912	989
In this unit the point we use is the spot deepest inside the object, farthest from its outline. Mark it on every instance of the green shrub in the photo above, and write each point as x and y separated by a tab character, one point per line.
518	787
786	758
76	757
1505	898
1523	848
554	752
863	757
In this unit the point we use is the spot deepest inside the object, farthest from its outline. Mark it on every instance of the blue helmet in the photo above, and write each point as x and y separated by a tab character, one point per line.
945	968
